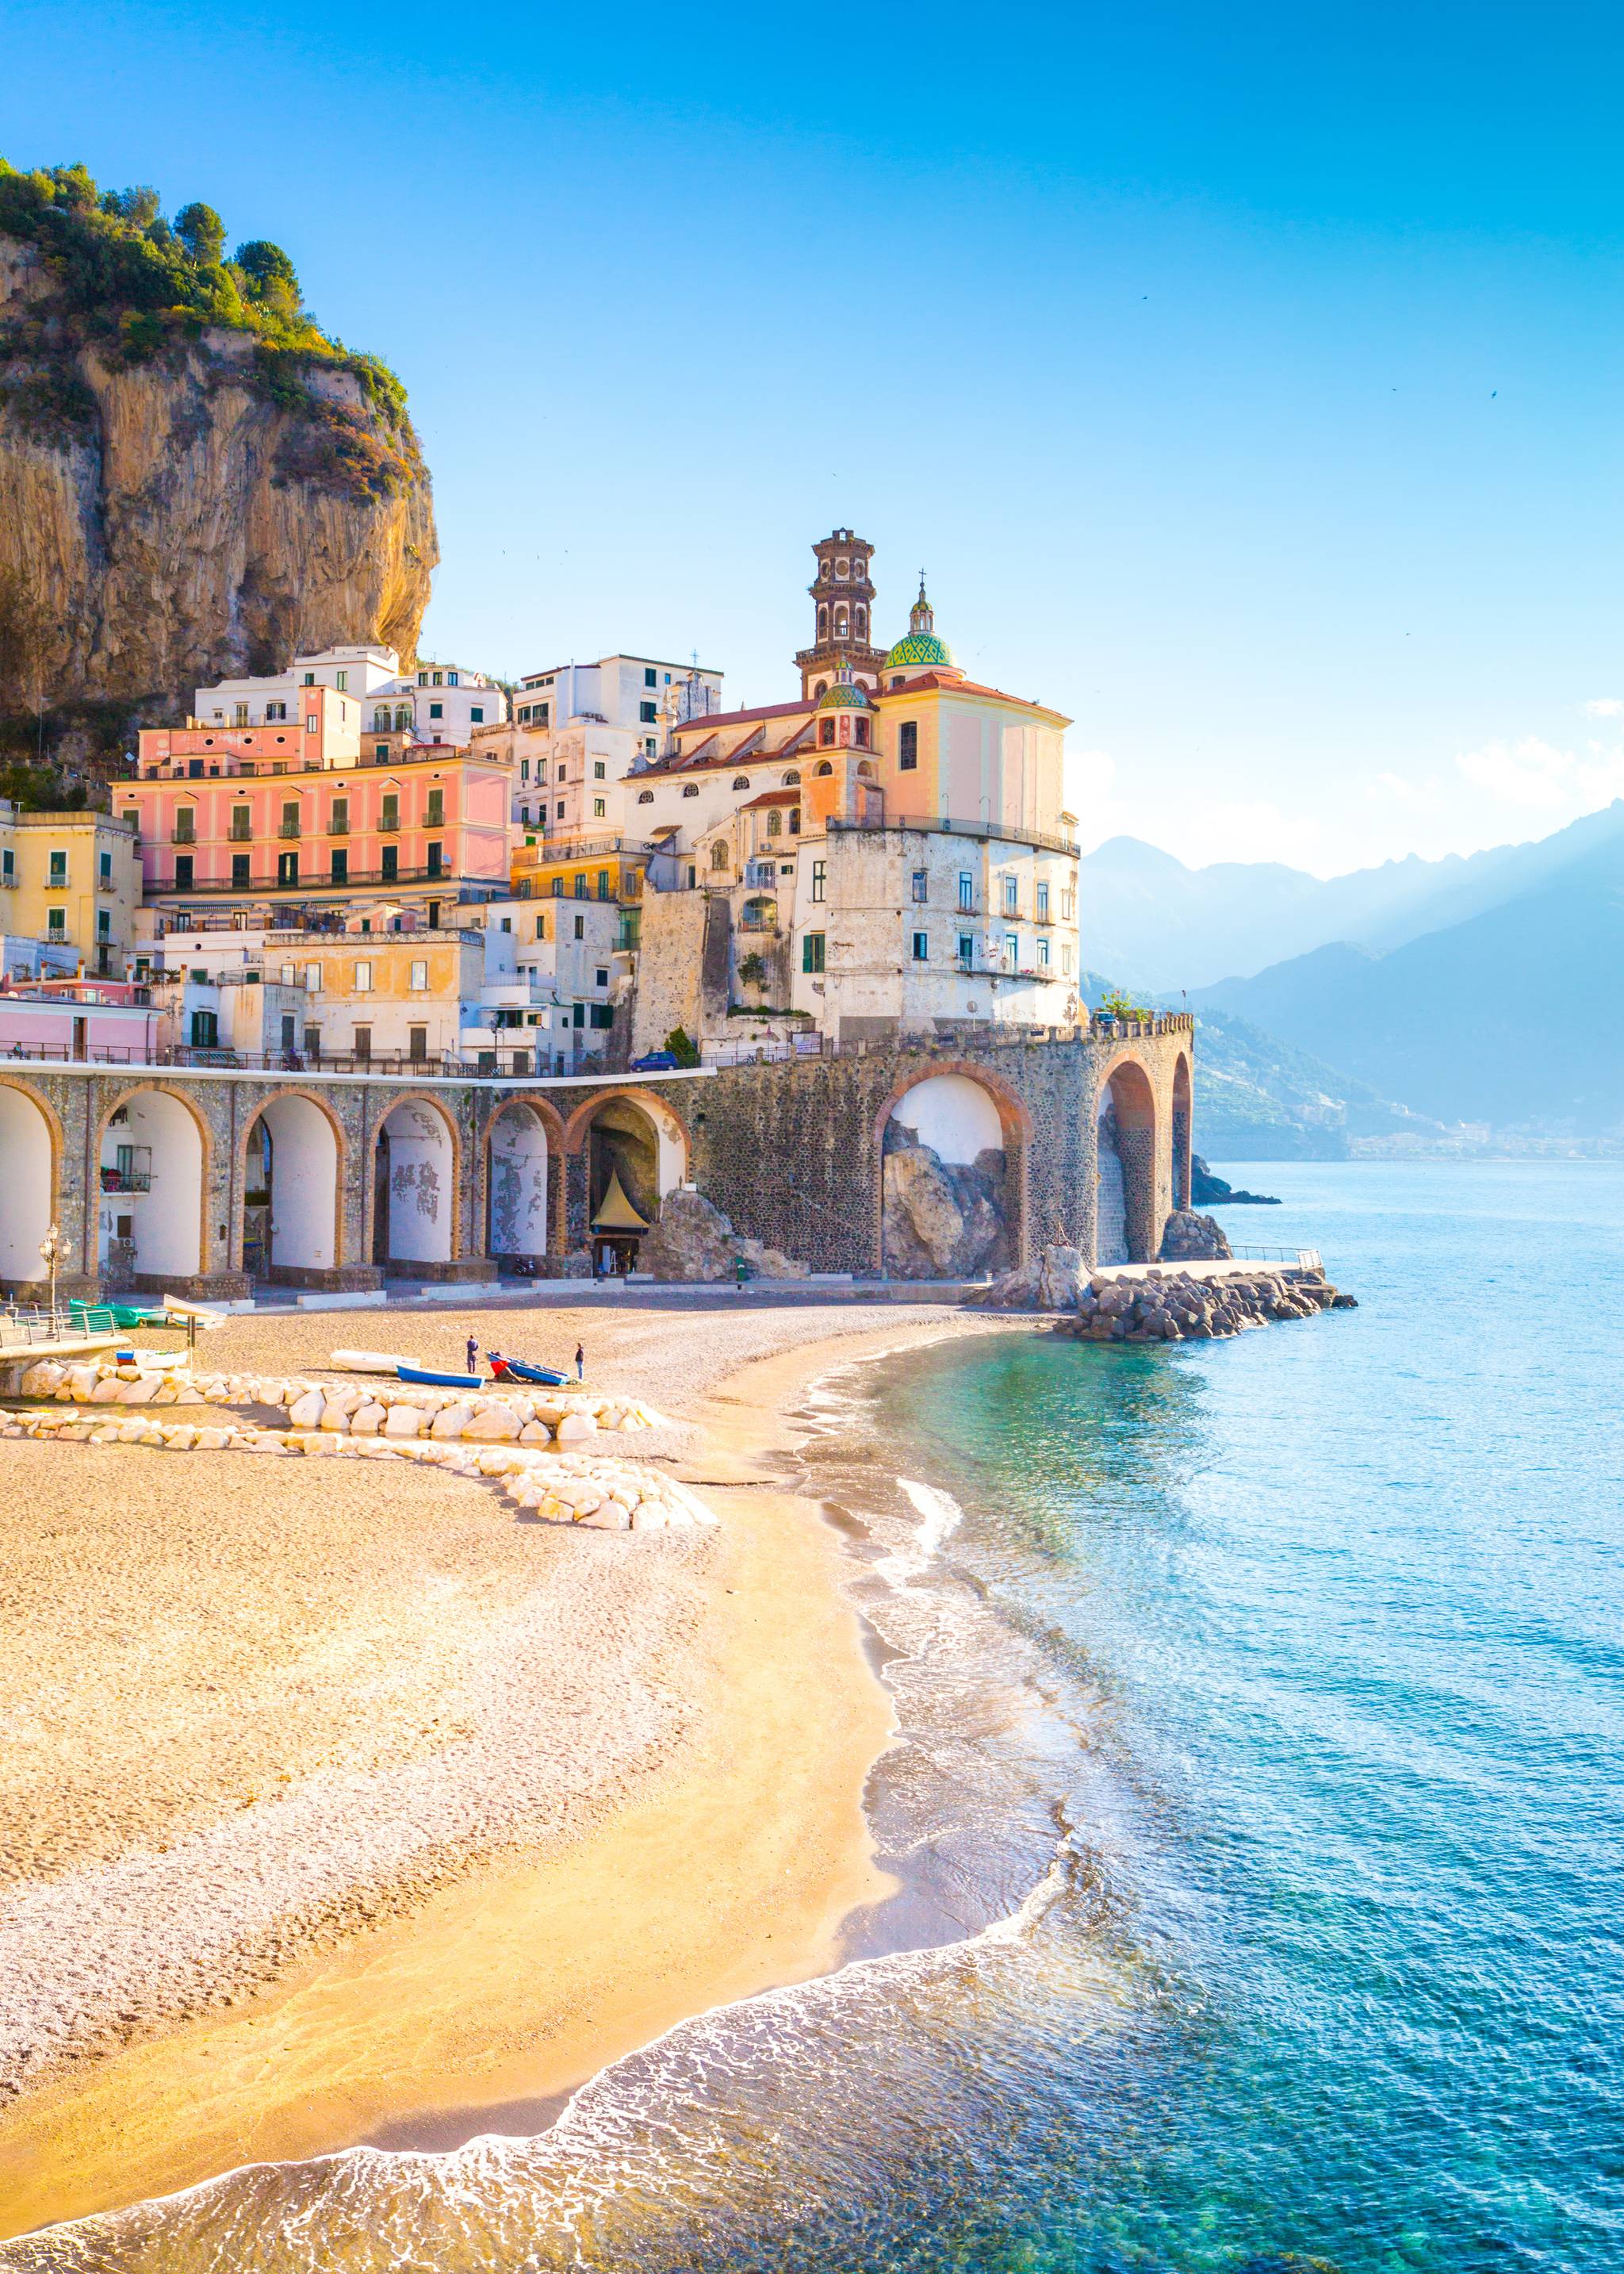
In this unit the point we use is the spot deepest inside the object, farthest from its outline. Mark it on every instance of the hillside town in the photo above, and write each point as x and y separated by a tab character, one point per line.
350	872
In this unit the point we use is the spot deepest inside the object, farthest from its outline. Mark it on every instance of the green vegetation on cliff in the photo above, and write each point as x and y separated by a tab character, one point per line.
135	288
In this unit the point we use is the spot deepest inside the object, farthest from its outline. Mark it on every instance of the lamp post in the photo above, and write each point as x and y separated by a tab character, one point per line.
50	1255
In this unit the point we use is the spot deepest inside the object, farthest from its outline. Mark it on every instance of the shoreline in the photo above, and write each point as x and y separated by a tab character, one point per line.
726	1866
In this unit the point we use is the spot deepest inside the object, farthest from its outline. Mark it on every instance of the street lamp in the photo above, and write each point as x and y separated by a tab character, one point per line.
50	1256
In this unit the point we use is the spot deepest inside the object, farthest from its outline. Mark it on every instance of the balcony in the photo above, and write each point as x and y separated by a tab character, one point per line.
240	833
289	829
54	883
309	885
127	1181
178	836
106	884
9	879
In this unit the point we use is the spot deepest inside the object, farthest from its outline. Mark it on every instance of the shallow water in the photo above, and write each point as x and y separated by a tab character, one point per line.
1261	1819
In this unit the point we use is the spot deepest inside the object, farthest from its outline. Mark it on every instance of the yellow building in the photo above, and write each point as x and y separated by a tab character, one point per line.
602	869
69	883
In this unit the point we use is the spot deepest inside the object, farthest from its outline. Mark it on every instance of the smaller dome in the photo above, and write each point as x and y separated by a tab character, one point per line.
845	694
922	651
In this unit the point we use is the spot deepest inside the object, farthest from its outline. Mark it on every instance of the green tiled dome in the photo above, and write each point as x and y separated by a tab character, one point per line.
844	695
923	651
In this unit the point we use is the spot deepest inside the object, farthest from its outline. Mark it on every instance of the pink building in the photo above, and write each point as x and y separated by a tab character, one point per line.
291	817
109	1021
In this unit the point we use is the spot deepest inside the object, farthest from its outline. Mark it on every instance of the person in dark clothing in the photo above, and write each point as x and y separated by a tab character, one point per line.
473	1354
580	1361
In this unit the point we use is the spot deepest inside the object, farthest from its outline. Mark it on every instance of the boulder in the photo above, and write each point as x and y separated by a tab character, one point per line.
305	1413
497	1425
403	1421
451	1421
694	1241
1192	1238
368	1420
575	1428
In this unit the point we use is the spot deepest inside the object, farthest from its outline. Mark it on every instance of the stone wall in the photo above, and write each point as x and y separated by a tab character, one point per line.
792	1153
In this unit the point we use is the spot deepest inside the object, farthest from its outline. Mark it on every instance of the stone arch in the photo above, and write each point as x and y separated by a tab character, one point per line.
30	1164
524	1144
1183	1124
155	1176
1125	1140
953	1149
632	1133
297	1145
416	1183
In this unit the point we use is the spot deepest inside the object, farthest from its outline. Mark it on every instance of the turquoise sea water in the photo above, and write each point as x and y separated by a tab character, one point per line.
1261	1816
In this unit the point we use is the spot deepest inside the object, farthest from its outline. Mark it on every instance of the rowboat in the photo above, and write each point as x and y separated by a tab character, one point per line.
440	1380
548	1375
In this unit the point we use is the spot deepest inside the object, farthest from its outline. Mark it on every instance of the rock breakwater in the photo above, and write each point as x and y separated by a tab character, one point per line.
1169	1305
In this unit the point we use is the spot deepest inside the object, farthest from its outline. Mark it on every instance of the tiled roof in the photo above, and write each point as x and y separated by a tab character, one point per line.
772	797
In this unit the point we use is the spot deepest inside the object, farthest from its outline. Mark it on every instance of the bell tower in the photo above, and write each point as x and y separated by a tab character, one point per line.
842	616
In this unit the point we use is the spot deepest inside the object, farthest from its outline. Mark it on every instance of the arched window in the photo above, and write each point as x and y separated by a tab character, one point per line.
843	628
794	821
402	718
775	822
645	797
822	622
759	915
742	781
862	731
792	780
719	854
841	567
821	690
825	736
826	768
824	571
862	622
381	719
691	789
866	770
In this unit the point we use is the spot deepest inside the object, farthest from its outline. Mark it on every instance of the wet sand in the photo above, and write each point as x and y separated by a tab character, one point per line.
559	1791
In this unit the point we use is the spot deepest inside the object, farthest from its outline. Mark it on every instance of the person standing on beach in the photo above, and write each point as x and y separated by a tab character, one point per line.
473	1354
580	1361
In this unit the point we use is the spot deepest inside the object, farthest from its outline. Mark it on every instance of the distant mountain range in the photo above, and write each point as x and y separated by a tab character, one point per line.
1159	925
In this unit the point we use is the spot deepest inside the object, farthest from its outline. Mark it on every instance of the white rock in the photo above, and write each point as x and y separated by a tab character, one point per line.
535	1433
335	1418
404	1422
81	1382
575	1427
213	1441
305	1413
137	1392
42	1379
497	1425
451	1421
367	1420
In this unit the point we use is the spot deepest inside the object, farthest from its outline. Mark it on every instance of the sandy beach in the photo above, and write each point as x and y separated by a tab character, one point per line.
342	1805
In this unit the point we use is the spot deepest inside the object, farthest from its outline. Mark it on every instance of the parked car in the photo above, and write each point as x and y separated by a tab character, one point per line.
655	1061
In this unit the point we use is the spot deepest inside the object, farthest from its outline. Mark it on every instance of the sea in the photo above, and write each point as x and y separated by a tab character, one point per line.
1256	1809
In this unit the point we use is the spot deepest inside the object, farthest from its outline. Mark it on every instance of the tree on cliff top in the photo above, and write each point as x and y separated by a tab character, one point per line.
136	286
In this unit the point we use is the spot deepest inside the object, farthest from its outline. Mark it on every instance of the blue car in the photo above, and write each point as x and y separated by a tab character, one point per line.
655	1061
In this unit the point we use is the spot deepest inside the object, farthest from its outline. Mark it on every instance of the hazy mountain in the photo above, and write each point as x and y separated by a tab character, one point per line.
1515	1016
1163	926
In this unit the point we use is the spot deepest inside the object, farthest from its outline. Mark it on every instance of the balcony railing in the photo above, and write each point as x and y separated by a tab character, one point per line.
55	883
127	1181
315	884
289	829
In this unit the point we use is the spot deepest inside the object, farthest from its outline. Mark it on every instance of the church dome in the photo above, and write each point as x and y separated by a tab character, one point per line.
844	695
920	649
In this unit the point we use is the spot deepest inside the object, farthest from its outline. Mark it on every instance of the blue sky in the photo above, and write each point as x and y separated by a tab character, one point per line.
1248	380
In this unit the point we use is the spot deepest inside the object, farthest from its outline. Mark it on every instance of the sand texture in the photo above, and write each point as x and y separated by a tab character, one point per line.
337	1797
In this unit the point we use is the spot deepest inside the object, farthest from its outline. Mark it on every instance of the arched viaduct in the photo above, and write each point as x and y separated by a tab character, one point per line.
200	1181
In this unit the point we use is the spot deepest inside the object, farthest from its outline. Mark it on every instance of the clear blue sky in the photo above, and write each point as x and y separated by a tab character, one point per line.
1248	378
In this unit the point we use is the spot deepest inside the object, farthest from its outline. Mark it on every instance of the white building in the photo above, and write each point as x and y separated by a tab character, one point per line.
578	730
437	702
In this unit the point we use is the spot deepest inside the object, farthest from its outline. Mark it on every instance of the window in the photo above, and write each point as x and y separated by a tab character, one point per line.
309	679
648	714
338	820
1011	895
1043	902
967	947
580	926
242	824
602	1015
1011	950
340	680
313	979
908	746
240	872
921	947
437	857
651	679
1042	955
289	818
580	887
775	822
205	1030
742	781
132	814
105	868
542	713
719	854
559	811
389	855
645	797
602	977
451	679
820	878
966	889
792	780
1068	905
689	789
825	732
363	1042
524	770
183	880
599	808
842	624
563	774
597	770
8	866
341	865
812	952
58	868
921	884
794	821
313	725
435	817
57	919
437	710
1065	957
275	712
440	679
602	883
389	814
363	979
380	752
860	732
419	976
381	719
416	1042
185	833
288	975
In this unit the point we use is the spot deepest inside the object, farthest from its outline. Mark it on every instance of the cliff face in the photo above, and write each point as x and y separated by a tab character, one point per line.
176	519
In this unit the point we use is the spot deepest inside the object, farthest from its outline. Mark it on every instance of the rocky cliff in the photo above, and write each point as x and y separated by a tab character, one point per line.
181	499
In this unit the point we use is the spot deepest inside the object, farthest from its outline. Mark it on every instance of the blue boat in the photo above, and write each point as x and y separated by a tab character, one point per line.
441	1380
547	1374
